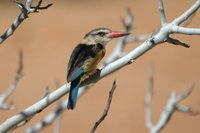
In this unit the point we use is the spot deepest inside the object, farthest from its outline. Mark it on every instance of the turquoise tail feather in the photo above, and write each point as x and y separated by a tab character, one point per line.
73	94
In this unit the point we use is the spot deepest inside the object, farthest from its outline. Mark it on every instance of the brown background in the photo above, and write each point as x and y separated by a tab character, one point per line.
47	39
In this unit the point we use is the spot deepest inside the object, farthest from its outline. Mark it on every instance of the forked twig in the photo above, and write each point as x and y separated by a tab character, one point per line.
105	113
171	107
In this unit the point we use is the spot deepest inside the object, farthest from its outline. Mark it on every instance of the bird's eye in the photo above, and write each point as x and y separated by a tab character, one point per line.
101	33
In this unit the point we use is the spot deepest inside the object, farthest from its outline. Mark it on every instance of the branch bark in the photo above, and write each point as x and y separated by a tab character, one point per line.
163	19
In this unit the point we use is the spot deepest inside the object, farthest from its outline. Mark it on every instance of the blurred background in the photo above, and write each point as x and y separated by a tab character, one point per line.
47	39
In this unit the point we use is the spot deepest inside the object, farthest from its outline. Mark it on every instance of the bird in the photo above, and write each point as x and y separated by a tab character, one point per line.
85	58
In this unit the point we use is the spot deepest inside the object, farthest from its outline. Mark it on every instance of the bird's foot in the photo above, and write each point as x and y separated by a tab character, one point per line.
98	71
95	73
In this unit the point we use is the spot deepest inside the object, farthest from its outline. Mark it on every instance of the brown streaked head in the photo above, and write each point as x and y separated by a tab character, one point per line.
102	36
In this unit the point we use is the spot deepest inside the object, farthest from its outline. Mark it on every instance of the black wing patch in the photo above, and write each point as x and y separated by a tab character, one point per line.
80	53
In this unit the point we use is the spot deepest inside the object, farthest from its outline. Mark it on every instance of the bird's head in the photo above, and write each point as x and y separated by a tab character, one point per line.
102	36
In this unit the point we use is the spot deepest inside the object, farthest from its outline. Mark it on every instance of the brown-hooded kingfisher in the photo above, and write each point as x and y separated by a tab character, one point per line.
85	57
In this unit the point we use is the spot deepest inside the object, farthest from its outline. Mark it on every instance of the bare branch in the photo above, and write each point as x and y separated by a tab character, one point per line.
184	30
28	4
57	125
188	21
106	109
173	27
148	98
185	94
162	12
13	85
52	116
58	121
22	123
171	107
55	115
25	10
188	13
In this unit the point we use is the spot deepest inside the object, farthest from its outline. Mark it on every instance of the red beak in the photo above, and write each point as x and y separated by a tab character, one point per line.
116	34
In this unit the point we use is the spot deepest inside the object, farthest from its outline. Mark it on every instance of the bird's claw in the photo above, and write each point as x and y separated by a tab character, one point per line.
98	71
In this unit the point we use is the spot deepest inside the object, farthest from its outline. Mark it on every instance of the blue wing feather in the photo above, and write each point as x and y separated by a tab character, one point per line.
73	94
75	74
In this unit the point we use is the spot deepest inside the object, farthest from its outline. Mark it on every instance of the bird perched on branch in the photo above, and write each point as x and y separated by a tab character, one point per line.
85	57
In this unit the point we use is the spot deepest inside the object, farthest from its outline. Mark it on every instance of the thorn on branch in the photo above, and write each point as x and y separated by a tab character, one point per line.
106	108
46	92
177	42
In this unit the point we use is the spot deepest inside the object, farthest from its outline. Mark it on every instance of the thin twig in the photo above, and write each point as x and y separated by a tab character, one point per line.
4	97
184	17
57	121
105	113
149	98
189	20
162	12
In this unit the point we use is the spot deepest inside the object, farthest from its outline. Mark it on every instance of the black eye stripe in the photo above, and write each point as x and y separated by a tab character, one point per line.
101	33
